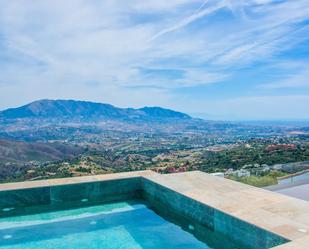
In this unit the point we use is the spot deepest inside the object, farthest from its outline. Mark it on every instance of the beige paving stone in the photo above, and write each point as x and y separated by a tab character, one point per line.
291	230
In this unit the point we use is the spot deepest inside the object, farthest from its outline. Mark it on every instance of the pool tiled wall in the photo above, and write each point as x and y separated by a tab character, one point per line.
14	202
166	200
22	198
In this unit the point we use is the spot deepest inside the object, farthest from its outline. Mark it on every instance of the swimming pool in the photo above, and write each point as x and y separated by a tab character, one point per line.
120	213
130	225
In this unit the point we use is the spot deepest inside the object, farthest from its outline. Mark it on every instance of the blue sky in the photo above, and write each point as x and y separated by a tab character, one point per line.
229	59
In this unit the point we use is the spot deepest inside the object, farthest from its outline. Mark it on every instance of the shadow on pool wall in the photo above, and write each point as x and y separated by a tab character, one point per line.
166	201
190	214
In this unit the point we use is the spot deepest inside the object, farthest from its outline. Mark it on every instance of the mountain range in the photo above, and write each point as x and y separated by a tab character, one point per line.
88	111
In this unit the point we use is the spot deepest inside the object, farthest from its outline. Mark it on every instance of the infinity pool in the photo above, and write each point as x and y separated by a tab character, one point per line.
128	225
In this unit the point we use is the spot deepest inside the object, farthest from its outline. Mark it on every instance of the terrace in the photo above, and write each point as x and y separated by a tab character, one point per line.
197	202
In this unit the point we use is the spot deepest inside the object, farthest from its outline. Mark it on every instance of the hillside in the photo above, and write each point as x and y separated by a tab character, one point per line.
16	158
18	152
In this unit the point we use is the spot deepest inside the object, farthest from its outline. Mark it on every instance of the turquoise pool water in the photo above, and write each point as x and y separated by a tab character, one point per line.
119	225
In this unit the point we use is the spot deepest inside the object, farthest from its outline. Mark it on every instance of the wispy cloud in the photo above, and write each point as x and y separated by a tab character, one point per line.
199	13
275	28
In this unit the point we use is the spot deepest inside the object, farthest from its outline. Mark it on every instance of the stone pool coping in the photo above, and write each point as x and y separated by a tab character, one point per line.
274	212
73	180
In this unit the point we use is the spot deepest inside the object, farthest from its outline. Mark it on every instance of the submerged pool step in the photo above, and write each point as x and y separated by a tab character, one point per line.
65	215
